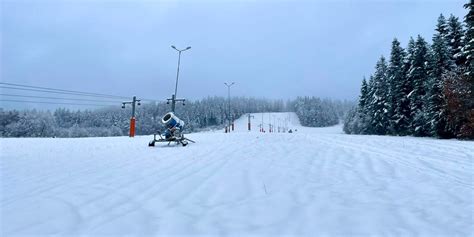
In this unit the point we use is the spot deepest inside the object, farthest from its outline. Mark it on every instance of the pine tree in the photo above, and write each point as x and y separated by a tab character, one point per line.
442	26
349	122
380	104
364	93
465	83
436	101
418	75
362	118
369	109
407	85
454	39
398	90
468	49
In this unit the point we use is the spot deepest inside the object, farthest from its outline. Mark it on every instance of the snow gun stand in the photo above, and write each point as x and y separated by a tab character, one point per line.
178	139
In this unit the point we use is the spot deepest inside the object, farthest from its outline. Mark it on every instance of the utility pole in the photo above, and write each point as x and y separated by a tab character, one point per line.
278	125
274	123
174	98
228	98
134	103
269	123
250	126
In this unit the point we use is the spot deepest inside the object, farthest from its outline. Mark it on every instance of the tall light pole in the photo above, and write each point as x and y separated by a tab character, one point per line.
174	96
228	98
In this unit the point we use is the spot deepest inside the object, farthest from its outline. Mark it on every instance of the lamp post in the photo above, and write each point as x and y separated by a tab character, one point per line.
174	96
228	98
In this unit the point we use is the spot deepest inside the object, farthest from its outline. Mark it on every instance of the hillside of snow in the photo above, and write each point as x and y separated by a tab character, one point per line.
315	181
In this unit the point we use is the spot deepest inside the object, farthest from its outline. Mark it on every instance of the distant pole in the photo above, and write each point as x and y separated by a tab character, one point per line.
269	123
280	125
249	124
228	99
134	103
174	96
283	124
274	123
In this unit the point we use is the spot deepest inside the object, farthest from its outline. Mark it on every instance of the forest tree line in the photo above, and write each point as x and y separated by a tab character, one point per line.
423	90
316	112
198	115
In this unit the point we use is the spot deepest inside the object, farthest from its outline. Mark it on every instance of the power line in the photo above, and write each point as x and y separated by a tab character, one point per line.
48	89
58	92
59	98
14	86
152	100
46	102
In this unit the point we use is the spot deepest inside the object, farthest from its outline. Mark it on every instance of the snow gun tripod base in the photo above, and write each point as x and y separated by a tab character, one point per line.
178	139
173	133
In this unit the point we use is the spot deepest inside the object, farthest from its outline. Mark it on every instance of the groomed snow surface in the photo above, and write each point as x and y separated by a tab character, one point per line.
316	181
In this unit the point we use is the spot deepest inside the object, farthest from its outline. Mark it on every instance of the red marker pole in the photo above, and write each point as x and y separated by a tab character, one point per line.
132	127
134	103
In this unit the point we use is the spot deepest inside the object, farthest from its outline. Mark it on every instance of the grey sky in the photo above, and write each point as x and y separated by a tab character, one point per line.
273	49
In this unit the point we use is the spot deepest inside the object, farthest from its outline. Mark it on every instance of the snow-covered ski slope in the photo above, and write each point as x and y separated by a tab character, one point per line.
316	181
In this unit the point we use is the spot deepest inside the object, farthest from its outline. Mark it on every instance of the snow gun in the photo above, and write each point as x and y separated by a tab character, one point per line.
173	131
